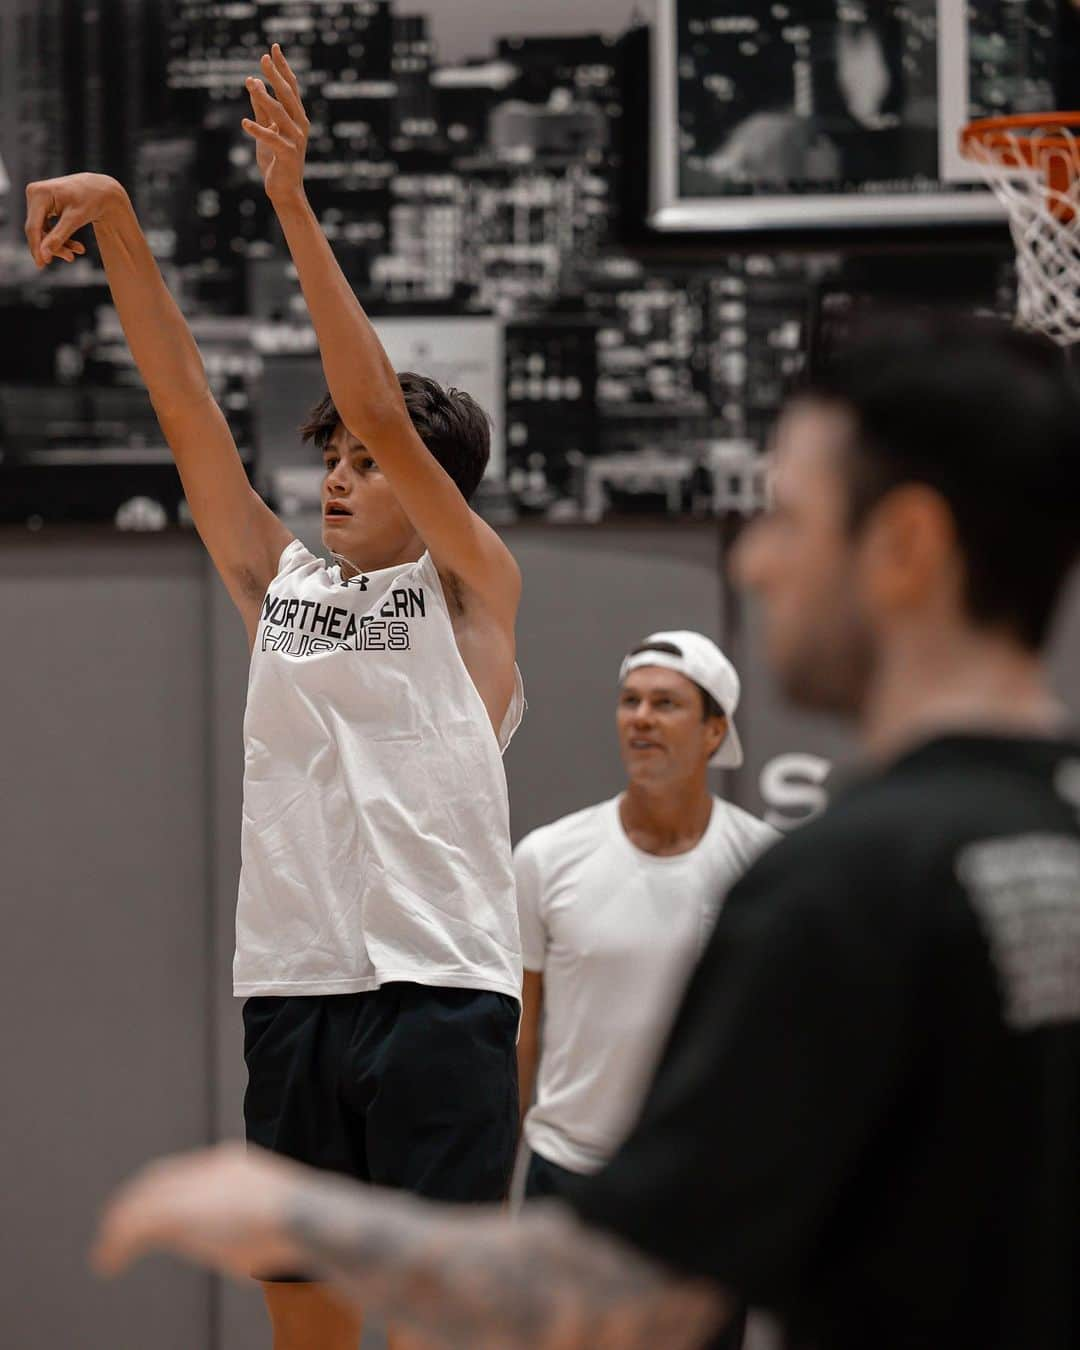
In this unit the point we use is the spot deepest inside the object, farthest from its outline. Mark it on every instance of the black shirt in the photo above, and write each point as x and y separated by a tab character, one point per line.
867	1117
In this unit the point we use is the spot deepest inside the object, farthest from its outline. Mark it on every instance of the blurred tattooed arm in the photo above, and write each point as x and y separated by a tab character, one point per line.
469	1278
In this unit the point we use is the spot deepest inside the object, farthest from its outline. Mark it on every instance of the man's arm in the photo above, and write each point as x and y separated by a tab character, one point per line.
463	1276
243	536
362	382
528	1046
474	1281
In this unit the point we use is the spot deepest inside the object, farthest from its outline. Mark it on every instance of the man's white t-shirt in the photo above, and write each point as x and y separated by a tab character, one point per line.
616	932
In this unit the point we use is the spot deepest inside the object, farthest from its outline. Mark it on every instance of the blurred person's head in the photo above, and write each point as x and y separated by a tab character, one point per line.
362	520
677	698
925	490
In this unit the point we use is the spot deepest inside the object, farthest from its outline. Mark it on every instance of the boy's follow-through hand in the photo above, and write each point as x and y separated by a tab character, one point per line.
73	201
280	127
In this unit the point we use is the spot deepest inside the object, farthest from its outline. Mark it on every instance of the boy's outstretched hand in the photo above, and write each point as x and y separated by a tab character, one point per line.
73	201
280	129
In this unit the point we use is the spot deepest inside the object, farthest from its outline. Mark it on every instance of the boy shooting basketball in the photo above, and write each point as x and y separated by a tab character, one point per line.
377	940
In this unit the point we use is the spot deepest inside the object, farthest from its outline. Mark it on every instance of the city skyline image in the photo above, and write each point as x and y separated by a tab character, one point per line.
467	162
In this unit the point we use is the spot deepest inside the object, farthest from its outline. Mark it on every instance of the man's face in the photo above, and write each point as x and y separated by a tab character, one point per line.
362	520
663	737
806	567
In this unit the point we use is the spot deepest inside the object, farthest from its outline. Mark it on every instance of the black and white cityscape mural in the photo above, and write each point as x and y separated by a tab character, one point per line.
472	169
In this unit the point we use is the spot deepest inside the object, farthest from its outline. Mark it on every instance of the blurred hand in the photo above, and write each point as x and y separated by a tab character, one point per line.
73	201
280	129
223	1207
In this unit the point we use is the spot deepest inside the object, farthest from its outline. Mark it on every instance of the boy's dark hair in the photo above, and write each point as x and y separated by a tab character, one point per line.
709	705
987	415
450	422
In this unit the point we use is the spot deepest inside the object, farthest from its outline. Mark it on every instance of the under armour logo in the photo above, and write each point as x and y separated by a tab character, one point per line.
360	580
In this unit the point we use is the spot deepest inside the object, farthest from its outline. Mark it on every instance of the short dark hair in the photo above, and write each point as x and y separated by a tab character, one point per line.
709	705
989	416
450	422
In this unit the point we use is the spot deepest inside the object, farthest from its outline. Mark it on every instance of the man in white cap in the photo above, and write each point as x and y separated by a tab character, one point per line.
616	902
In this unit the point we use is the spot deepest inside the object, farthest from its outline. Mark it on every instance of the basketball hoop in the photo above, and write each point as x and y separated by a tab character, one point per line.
1032	162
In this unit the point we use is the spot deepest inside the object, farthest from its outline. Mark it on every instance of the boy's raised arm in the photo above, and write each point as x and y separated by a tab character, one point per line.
243	536
362	382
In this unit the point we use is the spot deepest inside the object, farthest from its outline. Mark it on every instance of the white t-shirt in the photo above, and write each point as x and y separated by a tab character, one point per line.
616	933
376	837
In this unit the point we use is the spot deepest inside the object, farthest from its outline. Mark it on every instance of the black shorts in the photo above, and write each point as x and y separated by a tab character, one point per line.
545	1178
406	1086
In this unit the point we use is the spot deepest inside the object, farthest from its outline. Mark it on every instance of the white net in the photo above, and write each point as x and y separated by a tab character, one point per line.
1035	171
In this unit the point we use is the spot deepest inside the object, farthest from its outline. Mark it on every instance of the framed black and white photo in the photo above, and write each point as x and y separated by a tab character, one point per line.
835	113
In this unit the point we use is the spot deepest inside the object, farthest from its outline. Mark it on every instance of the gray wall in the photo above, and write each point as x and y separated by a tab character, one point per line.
105	1029
121	691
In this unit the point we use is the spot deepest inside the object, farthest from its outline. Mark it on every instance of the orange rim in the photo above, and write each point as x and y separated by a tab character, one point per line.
1056	158
993	134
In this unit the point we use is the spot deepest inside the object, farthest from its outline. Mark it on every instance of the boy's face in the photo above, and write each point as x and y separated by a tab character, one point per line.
362	520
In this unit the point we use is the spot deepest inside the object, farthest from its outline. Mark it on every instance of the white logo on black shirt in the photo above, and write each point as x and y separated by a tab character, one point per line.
1026	892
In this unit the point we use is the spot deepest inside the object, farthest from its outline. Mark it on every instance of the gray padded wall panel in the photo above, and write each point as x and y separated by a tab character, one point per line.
104	1036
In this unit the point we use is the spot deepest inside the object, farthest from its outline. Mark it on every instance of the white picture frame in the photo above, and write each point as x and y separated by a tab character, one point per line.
671	211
